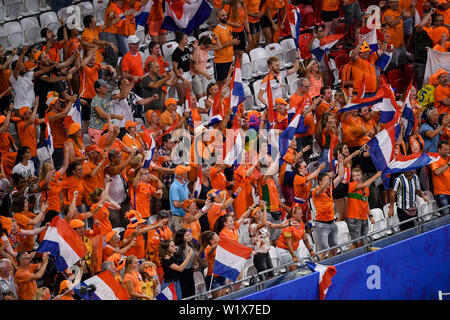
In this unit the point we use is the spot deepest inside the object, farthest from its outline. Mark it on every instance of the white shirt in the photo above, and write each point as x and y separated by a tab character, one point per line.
406	191
24	171
24	90
277	86
121	107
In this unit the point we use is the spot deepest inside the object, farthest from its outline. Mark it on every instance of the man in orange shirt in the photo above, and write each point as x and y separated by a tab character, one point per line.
142	190
90	38
132	65
443	8
93	171
441	176
439	29
28	273
442	94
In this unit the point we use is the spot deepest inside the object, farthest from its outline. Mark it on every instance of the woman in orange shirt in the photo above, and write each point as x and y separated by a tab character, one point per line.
73	182
253	15
75	143
133	279
209	241
101	199
227	227
237	19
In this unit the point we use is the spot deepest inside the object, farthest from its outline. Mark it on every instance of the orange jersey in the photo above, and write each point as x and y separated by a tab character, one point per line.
27	135
88	76
358	205
396	32
52	195
238	18
140	198
224	35
296	233
91	183
252	7
102	216
441	182
441	93
59	131
324	205
365	68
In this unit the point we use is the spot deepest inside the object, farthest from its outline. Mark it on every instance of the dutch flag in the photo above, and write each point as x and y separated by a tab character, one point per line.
106	288
168	293
230	258
326	273
326	44
185	16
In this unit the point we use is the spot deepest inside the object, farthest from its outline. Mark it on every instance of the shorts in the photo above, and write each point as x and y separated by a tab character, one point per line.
352	11
86	111
243	43
254	27
221	70
216	282
265	22
341	191
199	84
357	227
327	235
328	16
274	217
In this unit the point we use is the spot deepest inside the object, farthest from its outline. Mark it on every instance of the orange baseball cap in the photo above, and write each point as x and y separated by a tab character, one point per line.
37	55
76	223
187	203
64	285
281	101
23	110
110	235
130	123
74	128
180	169
170	101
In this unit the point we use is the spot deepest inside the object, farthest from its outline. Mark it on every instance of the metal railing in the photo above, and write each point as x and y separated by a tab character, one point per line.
260	279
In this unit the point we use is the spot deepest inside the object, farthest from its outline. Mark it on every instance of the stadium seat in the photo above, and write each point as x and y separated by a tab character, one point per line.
290	79
86	9
340	28
424	208
167	49
199	281
31	30
343	234
15	34
50	20
141	35
4	39
256	85
249	101
380	223
100	9
391	221
45	5
289	50
341	60
2	11
66	12
274	49
246	68
14	9
31	7
307	19
259	57
408	70
293	85
170	36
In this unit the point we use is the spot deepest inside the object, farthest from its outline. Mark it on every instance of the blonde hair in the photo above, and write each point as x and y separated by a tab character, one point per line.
40	293
44	170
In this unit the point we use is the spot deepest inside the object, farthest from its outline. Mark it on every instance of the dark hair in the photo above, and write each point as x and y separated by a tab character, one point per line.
205	239
16	177
339	147
60	33
151	45
163	248
179	36
18	204
87	20
166	138
321	176
323	89
163	214
441	143
210	85
220	223
178	240
44	33
20	153
205	40
72	167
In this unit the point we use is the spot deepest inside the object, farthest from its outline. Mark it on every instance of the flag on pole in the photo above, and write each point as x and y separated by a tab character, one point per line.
382	146
326	273
149	154
141	16
74	114
237	95
370	36
295	21
48	136
230	258
198	182
408	113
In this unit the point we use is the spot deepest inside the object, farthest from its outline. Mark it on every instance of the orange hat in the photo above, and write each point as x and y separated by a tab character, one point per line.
130	123
150	271
93	147
434	78
281	101
364	47
2	119
63	285
135	218
74	128
180	169
118	261
170	101
187	203
76	223
37	55
52	97
110	235
23	110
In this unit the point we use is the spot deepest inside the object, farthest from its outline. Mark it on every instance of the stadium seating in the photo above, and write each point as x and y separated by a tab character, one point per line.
45	5
86	9
246	68
100	9
4	39
274	49
256	85
380	223
424	208
31	30
290	51
343	234
259	57
50	20
2	11
31	7
391	221
167	49
249	101
341	60
14	9
15	34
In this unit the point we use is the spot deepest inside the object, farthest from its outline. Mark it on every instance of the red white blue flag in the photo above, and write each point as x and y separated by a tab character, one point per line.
185	16
326	273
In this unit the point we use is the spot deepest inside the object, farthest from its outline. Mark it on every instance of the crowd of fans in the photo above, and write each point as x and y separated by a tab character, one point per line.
158	223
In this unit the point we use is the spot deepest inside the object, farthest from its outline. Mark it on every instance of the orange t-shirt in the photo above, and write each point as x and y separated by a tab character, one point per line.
166	118
160	60
218	179
156	12
68	186
298	102
136	278
352	132
244	200
231	234
269	193
210	259
23	218
274	5
58	129
330	5
138	249
102	216
296	233
26	288
52	195
133	64
154	238
53	52
358	205
89	35
441	182
302	188
324	205
445	13
74	43
90	184
27	135
252	6
5	74
88	76
140	198
224	36
117	11
365	68
128	28
214	213
396	33
240	17
441	93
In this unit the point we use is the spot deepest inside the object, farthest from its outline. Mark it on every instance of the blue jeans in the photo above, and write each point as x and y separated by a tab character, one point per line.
177	286
324	159
442	201
122	44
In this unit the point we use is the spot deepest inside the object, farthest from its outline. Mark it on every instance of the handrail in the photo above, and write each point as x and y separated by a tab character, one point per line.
302	263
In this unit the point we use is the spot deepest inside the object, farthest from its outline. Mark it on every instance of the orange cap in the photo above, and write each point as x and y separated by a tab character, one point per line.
37	55
110	235
187	203
180	169
118	261
281	101
74	128
135	218
63	285
170	101
130	123
364	47
23	110
93	147
76	223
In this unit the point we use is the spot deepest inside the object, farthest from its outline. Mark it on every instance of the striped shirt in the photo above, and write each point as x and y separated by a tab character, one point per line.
406	191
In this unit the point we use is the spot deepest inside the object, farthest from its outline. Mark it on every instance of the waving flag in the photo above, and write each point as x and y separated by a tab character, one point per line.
236	90
408	113
198	183
270	115
370	36
141	16
168	293
288	134
326	273
106	288
295	21
63	243
149	154
382	147
436	60
326	44
230	258
74	114
48	136
411	162
185	16
234	154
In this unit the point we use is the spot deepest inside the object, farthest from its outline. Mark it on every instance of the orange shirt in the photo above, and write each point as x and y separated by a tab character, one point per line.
244	200
217	4
52	195
6	141
166	118
240	17
396	33
298	102
102	216
252	6
26	288
78	149
274	5
224	36
324	205
156	12
441	182
358	205
218	178
23	218
154	238
5	74
133	64
160	60
231	234
91	183
53	52
88	76
352	132
74	43
140	198
441	93
129	26
89	35
445	13
330	5
68	186
302	188
194	227
269	193
136	278
58	129
210	259
116	12
322	108
130	141
365	68
27	135
214	213
296	233
138	249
